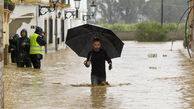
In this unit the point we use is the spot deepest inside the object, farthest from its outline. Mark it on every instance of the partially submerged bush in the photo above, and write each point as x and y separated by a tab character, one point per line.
151	31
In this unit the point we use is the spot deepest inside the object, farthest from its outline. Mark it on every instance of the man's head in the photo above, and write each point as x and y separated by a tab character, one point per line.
96	44
39	30
23	33
16	36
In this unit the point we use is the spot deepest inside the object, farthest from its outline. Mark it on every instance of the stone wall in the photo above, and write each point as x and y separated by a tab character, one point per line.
125	35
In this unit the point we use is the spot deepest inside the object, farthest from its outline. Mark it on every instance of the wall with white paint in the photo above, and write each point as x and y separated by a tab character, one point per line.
23	9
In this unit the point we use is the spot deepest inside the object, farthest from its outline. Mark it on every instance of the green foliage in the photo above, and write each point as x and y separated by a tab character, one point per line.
133	27
109	10
173	9
120	27
174	26
130	10
9	2
133	11
151	31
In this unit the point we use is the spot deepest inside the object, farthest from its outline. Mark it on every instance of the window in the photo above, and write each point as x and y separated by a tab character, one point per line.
50	30
67	2
62	30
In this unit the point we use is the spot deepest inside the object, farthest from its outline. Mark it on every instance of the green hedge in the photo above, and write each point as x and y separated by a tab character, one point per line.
147	31
120	27
133	27
151	31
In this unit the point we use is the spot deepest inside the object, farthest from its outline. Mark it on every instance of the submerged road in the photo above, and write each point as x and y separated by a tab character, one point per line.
147	76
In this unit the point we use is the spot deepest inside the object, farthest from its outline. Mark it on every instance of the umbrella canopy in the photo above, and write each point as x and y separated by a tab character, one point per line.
80	40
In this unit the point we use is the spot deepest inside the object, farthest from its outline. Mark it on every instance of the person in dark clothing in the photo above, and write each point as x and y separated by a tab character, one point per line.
97	58
12	47
36	41
23	49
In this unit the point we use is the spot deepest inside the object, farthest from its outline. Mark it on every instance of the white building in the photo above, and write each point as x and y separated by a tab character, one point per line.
1	52
26	16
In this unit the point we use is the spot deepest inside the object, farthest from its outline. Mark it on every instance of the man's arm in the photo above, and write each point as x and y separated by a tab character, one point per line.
88	61
26	43
108	60
41	40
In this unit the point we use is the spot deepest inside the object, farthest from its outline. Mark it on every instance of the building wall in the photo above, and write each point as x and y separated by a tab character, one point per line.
6	27
1	51
192	23
30	17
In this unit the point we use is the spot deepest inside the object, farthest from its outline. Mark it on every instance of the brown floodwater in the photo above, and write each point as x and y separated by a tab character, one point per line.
147	76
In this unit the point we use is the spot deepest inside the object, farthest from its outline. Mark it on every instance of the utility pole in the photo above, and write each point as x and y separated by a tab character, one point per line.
162	12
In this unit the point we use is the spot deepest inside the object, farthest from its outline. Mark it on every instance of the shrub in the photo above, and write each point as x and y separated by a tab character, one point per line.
133	27
151	31
120	27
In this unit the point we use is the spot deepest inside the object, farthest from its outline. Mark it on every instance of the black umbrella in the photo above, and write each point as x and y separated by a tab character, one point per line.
80	40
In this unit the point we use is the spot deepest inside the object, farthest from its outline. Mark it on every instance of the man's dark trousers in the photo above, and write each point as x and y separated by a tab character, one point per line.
97	80
35	58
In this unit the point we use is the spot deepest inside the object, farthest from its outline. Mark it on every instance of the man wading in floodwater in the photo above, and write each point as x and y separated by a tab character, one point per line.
97	58
79	39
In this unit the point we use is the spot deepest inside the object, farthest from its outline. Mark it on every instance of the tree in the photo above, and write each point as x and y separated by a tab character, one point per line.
130	10
108	10
172	10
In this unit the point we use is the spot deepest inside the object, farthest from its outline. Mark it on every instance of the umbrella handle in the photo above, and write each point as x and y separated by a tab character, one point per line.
85	63
110	67
90	57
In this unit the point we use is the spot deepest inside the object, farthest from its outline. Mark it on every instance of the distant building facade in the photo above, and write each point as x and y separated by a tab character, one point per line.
55	24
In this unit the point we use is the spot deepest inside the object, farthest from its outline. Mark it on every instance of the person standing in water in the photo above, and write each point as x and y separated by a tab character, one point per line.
13	47
37	40
23	49
97	58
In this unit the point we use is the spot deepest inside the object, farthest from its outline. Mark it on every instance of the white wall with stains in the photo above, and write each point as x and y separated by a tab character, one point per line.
26	15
